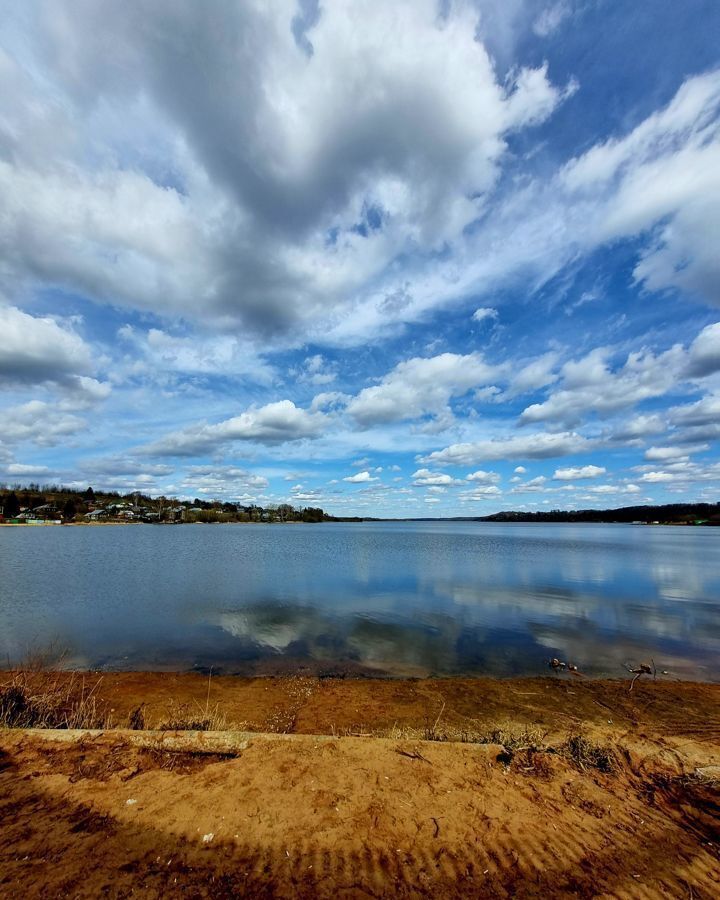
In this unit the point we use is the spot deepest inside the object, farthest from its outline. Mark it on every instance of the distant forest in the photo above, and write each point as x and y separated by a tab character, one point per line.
669	514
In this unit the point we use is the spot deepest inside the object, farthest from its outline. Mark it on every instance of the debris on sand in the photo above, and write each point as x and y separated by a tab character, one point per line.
639	671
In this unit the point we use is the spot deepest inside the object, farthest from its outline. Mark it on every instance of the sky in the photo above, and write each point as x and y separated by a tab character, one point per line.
404	259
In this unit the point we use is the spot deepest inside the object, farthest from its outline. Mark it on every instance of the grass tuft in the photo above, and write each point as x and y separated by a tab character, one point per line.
587	755
182	717
40	700
136	719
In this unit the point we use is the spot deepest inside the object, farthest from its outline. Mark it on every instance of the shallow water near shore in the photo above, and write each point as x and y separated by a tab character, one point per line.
397	598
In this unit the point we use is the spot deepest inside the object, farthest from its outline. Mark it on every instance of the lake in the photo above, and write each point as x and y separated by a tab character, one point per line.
398	598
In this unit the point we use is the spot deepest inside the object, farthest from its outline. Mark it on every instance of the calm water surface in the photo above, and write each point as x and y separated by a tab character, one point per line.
403	598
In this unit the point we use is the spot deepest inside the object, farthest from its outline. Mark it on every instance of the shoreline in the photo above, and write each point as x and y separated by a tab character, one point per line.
344	703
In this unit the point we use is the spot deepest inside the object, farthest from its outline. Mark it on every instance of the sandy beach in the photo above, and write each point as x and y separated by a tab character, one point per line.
560	787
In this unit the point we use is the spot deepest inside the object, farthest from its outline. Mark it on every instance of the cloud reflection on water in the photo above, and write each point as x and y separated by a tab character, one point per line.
450	598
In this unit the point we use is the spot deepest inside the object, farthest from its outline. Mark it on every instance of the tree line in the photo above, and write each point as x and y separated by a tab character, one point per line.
72	504
669	513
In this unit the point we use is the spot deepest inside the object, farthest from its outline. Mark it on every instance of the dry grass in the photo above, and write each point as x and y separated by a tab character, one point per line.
182	717
34	699
136	719
587	755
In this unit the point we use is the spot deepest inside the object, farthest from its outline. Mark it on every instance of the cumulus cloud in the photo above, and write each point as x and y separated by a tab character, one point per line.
533	486
282	178
704	353
705	411
301	168
223	481
360	478
274	423
20	470
39	423
419	387
316	371
658	477
662	454
156	351
532	376
639	426
426	478
530	446
36	349
667	170
658	183
482	477
588	385
574	473
483	492
124	465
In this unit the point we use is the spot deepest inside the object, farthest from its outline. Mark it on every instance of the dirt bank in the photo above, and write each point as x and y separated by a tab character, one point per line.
631	810
311	705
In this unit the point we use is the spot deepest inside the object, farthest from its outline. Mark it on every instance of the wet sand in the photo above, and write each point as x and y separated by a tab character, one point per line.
371	808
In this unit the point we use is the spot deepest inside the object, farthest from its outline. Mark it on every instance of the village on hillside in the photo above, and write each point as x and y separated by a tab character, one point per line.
54	505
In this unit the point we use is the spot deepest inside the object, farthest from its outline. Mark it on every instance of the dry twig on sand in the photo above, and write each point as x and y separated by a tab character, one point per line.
412	754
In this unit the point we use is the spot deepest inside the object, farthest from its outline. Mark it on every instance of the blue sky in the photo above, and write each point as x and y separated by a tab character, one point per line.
402	259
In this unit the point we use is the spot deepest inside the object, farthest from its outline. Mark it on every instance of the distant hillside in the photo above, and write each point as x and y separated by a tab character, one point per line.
57	503
669	514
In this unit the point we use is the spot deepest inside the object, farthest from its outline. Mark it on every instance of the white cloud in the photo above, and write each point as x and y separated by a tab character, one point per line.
589	386
379	134
360	478
531	446
703	412
682	472
40	423
274	423
123	465
206	355
316	371
662	454
482	492
534	375
25	471
658	183
658	477
574	473
520	470
36	349
704	353
482	477
534	486
483	313
639	426
551	18
667	170
223	481
419	387
424	477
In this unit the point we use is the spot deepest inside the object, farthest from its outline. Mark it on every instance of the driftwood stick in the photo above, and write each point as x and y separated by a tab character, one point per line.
442	709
